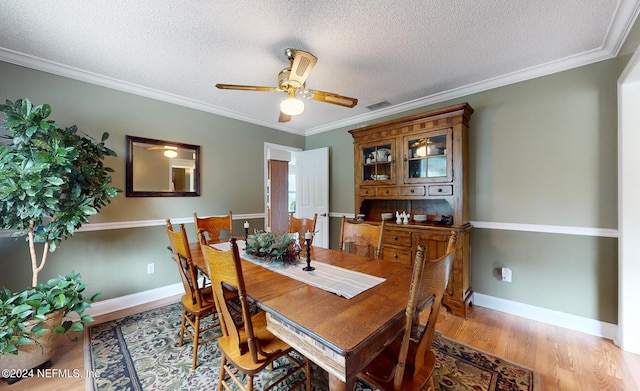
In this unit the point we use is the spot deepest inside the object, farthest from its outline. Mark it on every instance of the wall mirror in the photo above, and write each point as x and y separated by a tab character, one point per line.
158	168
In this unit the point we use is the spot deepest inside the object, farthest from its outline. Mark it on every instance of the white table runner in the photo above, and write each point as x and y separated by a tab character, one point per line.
343	282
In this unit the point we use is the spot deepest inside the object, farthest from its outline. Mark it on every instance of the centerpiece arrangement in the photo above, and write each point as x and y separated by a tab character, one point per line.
273	246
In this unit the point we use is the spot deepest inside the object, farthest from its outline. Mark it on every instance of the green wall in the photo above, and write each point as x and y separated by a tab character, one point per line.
115	261
541	152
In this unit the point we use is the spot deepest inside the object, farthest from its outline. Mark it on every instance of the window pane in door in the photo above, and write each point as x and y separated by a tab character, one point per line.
437	166
418	168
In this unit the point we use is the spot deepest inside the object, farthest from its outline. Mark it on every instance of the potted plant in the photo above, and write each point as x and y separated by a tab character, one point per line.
51	180
31	319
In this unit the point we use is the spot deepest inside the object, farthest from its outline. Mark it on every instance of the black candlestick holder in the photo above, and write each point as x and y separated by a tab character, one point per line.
246	233
308	268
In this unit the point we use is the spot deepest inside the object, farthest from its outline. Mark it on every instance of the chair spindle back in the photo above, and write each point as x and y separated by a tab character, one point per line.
362	238
225	268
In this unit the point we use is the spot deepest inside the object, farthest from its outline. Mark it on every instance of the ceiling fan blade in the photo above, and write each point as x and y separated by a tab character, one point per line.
329	97
247	88
302	64
284	117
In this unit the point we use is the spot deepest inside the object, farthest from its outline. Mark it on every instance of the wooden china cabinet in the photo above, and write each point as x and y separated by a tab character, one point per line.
418	164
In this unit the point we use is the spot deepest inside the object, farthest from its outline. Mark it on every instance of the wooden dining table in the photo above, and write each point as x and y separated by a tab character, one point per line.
340	335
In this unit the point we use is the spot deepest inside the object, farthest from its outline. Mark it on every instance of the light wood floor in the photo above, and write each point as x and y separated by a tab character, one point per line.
566	360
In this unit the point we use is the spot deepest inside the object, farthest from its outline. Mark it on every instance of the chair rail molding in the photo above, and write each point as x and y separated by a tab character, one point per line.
553	229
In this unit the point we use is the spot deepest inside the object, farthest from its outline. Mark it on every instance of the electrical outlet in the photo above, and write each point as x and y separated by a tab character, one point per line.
150	268
506	274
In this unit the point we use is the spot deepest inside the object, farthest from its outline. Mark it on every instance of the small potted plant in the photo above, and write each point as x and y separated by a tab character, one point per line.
32	318
51	180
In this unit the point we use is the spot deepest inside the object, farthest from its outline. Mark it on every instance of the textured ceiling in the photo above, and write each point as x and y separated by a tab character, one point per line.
409	53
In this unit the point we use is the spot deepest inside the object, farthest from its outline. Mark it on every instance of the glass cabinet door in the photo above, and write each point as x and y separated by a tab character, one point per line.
428	157
377	163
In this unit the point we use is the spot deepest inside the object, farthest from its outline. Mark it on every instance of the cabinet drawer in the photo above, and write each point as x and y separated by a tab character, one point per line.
412	191
402	255
396	238
440	190
387	191
367	191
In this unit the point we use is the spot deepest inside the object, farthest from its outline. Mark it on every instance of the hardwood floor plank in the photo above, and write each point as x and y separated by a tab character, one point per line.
566	360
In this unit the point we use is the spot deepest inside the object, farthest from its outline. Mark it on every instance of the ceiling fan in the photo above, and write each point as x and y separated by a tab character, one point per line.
169	151
292	81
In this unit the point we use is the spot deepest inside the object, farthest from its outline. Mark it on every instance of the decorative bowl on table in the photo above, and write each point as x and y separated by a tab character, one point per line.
386	216
273	246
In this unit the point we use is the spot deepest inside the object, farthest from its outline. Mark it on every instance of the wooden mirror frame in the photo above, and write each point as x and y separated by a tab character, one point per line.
130	161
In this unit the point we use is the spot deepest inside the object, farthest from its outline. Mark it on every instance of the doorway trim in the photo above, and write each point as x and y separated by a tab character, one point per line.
628	206
267	148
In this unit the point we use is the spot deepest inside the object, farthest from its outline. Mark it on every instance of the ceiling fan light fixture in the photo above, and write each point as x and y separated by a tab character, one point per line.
170	153
292	106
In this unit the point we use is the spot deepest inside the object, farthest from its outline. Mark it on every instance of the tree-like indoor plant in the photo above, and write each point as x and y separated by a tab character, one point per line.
51	180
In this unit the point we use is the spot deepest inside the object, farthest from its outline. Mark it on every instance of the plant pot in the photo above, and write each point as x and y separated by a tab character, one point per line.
35	354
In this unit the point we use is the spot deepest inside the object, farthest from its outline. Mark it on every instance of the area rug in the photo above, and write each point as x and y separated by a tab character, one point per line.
141	352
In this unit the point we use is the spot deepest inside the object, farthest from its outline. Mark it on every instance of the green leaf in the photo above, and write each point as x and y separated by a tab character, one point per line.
59	329
23	341
86	319
54	180
88	210
31	130
46	110
38	328
10	349
60	300
22	309
26	106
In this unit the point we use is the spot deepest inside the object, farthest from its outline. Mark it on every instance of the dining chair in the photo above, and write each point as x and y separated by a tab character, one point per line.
408	362
198	302
247	346
301	226
214	226
361	238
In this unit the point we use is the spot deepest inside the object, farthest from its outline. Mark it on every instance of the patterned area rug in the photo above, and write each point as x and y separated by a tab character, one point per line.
141	352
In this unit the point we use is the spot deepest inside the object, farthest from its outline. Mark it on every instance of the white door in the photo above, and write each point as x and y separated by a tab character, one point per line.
313	191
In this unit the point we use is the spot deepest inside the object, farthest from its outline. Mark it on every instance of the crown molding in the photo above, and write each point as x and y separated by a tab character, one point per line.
500	81
609	50
40	64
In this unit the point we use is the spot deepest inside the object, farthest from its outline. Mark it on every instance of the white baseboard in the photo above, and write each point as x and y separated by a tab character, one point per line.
557	318
134	299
